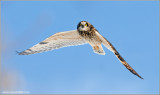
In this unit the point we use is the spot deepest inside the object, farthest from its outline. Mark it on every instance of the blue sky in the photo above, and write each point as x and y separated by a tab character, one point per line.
131	26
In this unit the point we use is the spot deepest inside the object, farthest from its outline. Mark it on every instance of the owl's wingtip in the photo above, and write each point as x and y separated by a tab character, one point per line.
17	52
20	53
141	77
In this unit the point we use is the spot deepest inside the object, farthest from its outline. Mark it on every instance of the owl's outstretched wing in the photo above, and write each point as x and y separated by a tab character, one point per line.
108	45
58	40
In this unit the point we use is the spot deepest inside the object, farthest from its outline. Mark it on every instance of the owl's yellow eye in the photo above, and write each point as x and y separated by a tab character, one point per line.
80	24
86	24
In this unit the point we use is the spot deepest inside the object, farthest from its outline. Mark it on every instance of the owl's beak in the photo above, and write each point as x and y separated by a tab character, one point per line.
82	26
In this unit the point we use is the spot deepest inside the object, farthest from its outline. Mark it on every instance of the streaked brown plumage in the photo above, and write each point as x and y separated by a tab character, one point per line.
91	34
85	33
122	60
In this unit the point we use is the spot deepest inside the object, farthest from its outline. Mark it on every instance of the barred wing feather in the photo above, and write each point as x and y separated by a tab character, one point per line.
56	41
108	45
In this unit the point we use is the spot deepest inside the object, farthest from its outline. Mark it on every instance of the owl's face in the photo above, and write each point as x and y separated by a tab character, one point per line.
83	26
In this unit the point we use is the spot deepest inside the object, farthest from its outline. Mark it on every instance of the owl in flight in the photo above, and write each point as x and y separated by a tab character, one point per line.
85	34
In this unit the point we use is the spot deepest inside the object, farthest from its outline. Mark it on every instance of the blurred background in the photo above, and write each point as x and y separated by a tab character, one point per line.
131	26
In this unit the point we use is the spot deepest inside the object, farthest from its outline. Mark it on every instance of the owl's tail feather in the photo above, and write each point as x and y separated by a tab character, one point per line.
98	49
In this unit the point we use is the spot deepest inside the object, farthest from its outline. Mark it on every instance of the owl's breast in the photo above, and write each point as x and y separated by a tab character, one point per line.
90	37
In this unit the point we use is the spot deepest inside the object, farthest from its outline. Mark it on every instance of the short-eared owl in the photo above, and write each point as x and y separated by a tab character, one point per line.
85	33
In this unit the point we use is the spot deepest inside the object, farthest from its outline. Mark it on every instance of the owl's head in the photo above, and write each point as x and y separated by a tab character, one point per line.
84	26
